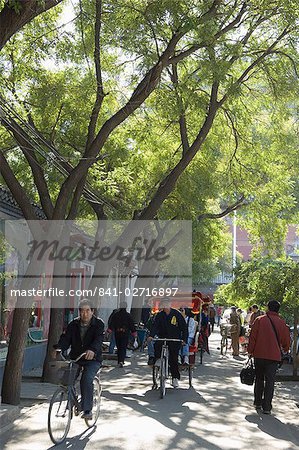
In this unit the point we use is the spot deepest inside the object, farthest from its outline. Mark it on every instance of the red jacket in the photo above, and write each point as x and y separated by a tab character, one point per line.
262	341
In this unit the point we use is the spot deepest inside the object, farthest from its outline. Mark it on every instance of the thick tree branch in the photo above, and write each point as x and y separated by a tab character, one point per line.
12	21
97	61
16	189
76	199
37	171
238	204
182	117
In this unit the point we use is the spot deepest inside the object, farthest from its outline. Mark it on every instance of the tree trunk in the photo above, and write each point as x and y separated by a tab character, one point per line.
55	330
11	386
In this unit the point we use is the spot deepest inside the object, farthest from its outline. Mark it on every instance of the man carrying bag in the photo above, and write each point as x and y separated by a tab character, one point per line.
268	334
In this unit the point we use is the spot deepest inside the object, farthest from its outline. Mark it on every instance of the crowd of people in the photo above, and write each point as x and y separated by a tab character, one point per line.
268	336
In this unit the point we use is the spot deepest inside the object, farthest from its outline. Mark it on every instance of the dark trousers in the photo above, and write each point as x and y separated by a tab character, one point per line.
174	349
90	369
265	370
121	340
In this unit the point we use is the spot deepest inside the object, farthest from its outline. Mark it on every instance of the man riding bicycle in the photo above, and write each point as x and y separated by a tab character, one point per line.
169	323
85	334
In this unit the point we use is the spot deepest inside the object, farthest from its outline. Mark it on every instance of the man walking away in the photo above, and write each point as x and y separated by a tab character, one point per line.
122	324
235	330
256	312
268	335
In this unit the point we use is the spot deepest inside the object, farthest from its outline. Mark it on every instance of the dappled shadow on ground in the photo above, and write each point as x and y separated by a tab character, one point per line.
274	427
216	414
78	442
191	415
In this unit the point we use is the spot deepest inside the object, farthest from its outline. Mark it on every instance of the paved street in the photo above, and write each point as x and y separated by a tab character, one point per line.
216	413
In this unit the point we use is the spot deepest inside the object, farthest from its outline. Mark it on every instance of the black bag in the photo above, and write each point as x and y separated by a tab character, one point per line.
242	331
247	374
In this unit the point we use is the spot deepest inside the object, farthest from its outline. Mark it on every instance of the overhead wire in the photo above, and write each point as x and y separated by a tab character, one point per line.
34	139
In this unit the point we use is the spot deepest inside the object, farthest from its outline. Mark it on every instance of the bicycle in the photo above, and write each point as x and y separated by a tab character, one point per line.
162	373
65	401
225	331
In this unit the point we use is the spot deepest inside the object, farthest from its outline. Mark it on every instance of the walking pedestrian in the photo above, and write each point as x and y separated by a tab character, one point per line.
256	312
191	326
234	320
122	324
212	314
268	335
112	334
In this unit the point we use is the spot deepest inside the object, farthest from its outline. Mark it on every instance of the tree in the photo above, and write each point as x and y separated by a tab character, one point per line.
14	14
193	65
261	280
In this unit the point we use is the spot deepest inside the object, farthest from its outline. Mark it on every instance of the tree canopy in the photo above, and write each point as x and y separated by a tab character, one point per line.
152	109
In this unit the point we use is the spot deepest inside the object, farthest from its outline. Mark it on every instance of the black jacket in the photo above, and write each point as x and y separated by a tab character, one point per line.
93	338
172	326
122	322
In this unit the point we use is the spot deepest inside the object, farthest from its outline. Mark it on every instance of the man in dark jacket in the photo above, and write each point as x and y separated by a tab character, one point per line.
122	324
268	335
169	323
85	334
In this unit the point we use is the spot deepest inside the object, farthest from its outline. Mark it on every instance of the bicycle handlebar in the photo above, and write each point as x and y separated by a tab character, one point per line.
70	360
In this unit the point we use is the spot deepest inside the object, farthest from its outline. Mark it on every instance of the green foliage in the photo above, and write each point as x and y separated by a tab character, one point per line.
47	71
262	280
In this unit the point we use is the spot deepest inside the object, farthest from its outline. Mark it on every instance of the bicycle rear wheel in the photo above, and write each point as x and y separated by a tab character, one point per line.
59	416
97	391
156	371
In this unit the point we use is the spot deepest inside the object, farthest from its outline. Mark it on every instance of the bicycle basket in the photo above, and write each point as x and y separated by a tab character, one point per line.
60	372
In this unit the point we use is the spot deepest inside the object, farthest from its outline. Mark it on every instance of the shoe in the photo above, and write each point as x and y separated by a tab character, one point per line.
121	364
87	415
175	382
186	360
258	407
151	361
158	362
265	411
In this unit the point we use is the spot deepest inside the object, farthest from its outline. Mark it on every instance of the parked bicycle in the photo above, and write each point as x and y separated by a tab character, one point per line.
65	402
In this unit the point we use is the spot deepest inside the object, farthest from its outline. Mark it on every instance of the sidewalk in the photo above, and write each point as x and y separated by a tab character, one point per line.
33	392
216	414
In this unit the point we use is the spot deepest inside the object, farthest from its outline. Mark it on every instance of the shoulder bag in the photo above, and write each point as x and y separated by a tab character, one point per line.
247	374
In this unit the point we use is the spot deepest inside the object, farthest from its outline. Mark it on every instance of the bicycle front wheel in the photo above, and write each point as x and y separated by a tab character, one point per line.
97	391
59	416
223	346
163	375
